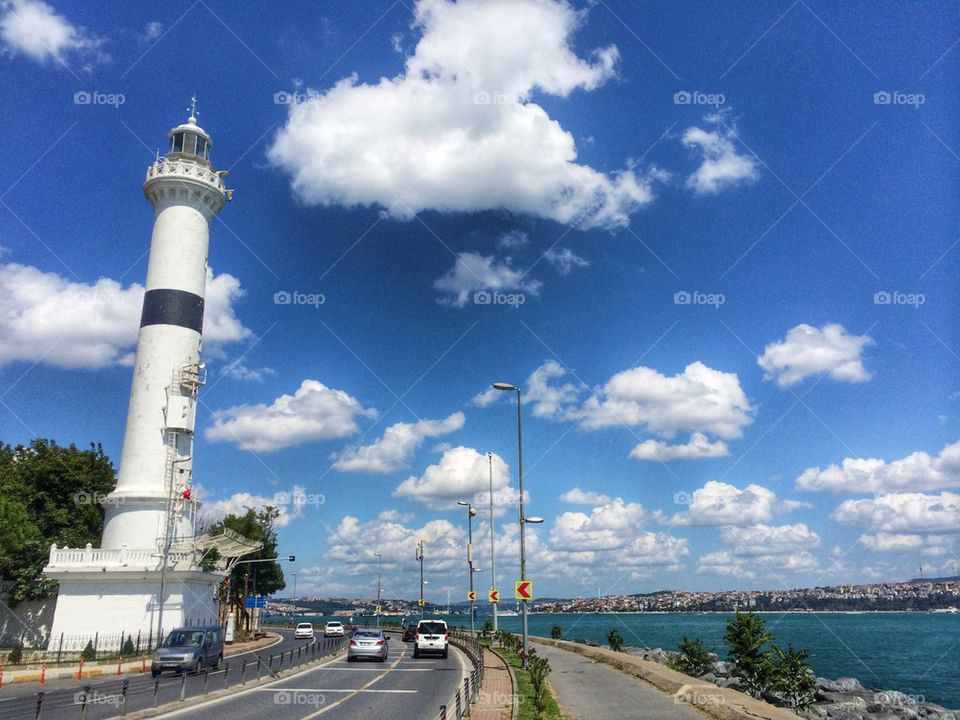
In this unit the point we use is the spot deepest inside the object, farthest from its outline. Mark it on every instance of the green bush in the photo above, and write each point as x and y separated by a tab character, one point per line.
88	652
791	679
615	641
128	649
748	641
539	668
16	655
556	632
694	659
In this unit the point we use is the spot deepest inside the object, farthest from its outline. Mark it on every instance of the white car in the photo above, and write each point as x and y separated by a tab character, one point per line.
334	628
431	637
304	631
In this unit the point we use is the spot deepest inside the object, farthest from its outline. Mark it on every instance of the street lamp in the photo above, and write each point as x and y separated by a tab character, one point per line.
493	560
379	567
295	613
470	513
523	554
420	558
288	558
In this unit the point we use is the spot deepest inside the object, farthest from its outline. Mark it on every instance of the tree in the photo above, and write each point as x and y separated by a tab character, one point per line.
694	659
615	641
89	653
128	650
556	632
48	494
792	681
748	640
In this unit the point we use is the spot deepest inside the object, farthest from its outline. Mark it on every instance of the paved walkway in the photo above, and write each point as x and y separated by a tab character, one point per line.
495	699
588	690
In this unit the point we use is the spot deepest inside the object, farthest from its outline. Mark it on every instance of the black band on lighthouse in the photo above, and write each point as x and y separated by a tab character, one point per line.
172	307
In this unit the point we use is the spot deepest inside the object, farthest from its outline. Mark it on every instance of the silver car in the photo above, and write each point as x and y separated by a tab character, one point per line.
368	643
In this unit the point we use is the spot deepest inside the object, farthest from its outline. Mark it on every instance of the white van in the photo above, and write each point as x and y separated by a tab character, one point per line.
431	637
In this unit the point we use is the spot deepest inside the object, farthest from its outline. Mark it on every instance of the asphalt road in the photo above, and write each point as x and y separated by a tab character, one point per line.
63	699
402	687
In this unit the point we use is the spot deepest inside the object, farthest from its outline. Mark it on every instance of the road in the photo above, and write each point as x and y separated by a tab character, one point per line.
63	698
403	687
587	689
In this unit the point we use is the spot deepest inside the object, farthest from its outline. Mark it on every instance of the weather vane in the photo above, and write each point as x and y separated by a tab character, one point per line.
193	106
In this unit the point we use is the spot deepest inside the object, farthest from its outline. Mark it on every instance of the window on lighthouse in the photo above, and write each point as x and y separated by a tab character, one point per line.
176	145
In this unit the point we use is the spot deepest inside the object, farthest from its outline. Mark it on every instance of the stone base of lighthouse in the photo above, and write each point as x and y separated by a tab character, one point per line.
107	593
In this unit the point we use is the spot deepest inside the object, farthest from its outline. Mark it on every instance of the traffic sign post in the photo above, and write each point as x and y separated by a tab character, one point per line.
420	602
523	590
472	596
494	595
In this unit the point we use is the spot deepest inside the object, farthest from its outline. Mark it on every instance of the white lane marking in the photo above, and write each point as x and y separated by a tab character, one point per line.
351	669
333	690
356	692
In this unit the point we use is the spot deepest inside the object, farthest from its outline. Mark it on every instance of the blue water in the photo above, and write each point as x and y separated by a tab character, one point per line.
916	653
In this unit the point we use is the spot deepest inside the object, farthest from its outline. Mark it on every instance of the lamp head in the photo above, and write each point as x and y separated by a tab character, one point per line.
504	386
533	519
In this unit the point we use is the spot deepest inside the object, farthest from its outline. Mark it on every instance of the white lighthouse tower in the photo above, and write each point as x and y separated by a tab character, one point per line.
145	574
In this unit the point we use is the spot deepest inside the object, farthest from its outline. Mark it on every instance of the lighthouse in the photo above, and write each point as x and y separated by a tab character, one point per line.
145	578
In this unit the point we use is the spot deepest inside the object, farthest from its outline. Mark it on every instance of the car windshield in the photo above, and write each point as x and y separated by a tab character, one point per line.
432	628
304	626
368	633
184	638
334	624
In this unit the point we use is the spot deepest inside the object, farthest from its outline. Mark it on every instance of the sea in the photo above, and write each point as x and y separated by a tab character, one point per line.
917	653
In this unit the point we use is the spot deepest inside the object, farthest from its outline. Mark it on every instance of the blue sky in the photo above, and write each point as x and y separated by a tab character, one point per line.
715	246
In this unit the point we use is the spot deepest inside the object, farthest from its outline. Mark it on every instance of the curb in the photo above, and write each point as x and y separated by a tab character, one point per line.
714	701
515	709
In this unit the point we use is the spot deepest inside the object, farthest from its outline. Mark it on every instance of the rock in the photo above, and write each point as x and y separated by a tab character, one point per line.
730	682
852	708
722	669
843	685
710	678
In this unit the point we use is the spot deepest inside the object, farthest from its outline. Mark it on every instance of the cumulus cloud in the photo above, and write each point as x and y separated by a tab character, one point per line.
48	318
549	400
487	397
576	496
607	527
458	129
916	471
291	504
462	474
564	260
698	399
810	351
903	513
513	240
393	451
722	165
774	549
699	446
719	503
930	545
313	412
472	272
34	29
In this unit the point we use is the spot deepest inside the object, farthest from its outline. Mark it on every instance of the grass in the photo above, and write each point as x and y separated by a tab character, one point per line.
527	711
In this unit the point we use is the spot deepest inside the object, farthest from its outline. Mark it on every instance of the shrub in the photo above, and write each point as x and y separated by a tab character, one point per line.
556	632
539	668
487	627
615	641
694	659
88	652
748	641
16	655
792	680
128	650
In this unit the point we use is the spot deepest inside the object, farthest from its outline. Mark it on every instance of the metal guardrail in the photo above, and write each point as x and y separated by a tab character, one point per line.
144	692
459	705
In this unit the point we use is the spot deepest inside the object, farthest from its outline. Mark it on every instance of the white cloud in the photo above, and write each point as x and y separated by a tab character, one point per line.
291	504
548	400
759	540
810	351
487	397
152	31
458	130
699	446
564	260
33	28
472	272
929	545
513	240
393	451
698	399
461	474
718	503
917	471
608	527
239	371
903	513
48	318
314	412
576	496
722	165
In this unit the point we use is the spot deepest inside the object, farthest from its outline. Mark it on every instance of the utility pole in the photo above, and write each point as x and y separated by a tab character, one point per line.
295	613
493	556
379	567
420	558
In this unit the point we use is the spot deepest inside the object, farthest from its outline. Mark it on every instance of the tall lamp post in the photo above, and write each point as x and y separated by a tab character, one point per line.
295	613
493	560
523	519
420	558
379	587
470	513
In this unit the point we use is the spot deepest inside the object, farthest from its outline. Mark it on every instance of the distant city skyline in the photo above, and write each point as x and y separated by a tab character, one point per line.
717	251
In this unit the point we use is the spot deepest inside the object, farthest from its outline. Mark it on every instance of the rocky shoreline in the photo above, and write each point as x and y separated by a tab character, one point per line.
843	699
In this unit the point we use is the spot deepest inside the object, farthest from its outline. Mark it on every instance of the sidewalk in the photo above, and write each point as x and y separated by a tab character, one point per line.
495	699
586	689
